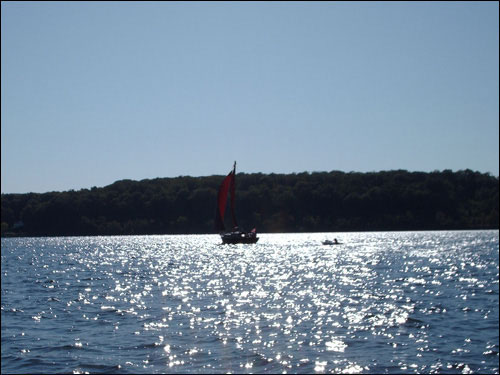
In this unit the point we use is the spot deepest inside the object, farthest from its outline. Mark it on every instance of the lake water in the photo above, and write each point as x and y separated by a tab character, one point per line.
395	302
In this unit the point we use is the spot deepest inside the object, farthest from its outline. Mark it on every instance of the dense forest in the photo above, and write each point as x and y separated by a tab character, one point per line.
303	202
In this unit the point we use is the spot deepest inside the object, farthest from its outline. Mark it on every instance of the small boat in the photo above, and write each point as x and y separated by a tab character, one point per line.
334	242
236	235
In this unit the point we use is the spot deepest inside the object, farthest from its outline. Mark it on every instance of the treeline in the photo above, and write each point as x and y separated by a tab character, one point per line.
304	202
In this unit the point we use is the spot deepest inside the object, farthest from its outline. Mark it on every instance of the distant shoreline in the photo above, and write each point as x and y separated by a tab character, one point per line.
12	235
273	203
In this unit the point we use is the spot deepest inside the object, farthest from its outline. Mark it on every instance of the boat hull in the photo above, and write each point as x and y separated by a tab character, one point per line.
238	237
328	242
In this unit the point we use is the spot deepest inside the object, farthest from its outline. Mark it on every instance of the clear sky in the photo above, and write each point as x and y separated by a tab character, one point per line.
94	92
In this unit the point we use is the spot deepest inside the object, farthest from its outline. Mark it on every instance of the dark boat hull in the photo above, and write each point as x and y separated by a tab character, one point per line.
328	242
238	237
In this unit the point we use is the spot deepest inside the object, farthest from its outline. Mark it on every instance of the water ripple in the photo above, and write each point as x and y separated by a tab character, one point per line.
404	302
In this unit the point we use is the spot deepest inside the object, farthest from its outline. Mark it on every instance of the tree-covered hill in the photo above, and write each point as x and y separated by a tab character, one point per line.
304	202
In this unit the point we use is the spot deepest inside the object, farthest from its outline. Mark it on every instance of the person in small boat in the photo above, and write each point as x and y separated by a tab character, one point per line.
335	241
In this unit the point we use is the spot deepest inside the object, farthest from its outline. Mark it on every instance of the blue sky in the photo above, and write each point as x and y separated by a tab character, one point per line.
95	92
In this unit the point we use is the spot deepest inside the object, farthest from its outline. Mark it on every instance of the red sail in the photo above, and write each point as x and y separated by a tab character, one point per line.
221	201
228	185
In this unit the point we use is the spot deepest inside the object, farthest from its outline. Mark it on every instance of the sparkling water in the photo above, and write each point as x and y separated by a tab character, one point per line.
380	302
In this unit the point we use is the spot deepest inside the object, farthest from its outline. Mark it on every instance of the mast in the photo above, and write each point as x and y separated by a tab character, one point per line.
233	183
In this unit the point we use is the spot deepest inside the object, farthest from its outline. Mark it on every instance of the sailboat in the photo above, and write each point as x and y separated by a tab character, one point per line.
236	235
